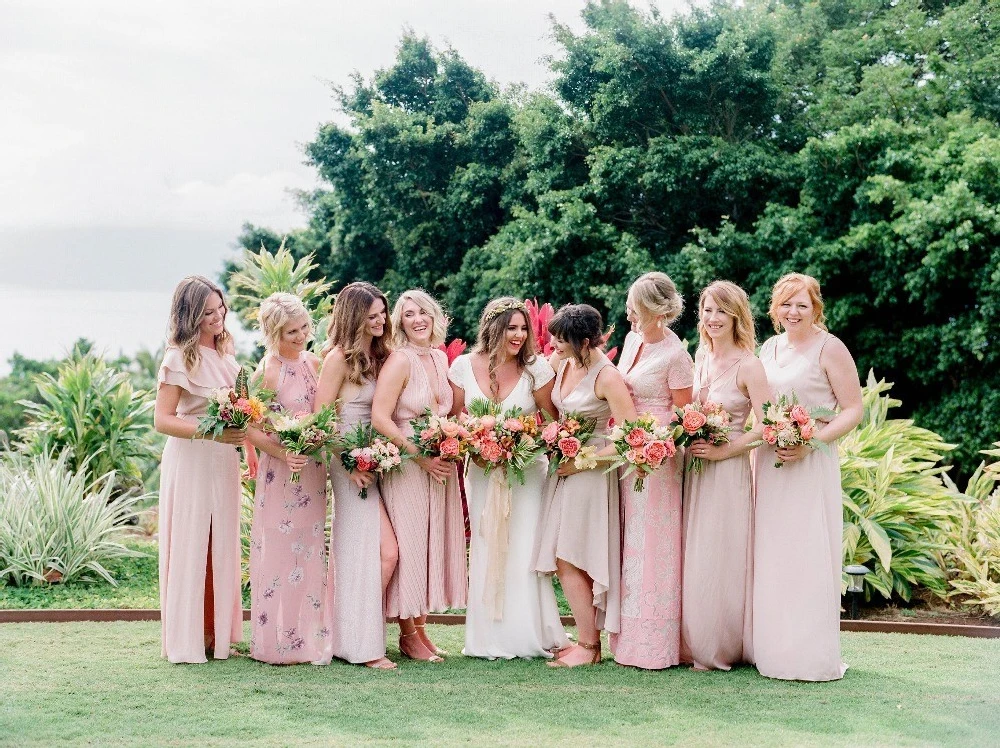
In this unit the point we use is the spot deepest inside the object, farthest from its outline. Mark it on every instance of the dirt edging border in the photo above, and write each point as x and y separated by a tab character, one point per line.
34	615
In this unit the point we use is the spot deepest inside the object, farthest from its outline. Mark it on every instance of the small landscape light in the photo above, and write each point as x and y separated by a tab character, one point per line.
856	574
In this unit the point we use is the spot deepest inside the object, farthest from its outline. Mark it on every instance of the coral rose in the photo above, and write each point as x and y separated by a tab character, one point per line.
636	437
428	434
800	415
513	424
656	451
551	432
366	464
488	422
450	428
490	451
450	447
569	446
693	420
770	434
807	431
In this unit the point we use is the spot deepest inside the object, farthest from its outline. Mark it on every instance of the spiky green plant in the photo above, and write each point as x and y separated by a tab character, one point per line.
91	412
56	523
970	541
895	498
260	274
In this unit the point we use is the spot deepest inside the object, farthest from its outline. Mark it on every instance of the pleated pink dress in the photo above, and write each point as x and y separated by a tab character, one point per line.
199	498
651	528
580	521
718	550
426	516
291	578
798	528
359	613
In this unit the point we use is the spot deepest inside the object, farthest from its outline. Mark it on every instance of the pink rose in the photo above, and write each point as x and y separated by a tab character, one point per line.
450	428
693	420
569	446
427	434
800	415
770	434
488	422
551	432
807	431
636	457
491	451
366	464
450	447
635	438
656	451
513	425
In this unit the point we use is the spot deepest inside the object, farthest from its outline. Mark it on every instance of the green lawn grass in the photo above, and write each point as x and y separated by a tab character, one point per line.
104	684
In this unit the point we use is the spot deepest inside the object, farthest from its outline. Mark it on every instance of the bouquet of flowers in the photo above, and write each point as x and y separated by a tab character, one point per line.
507	440
703	420
305	433
642	446
437	436
234	407
368	451
565	440
789	424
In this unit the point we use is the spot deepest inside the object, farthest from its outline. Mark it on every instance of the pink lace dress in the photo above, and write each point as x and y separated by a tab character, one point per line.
651	547
199	501
426	516
291	579
798	529
718	548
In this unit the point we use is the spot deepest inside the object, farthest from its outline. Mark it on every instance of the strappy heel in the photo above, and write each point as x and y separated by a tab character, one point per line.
421	629
595	656
424	656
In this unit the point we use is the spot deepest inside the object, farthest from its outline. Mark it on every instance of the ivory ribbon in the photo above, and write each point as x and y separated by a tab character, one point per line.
493	529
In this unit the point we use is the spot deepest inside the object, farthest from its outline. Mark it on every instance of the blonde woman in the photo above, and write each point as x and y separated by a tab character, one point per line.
422	500
658	371
512	611
798	517
718	499
200	605
362	541
290	578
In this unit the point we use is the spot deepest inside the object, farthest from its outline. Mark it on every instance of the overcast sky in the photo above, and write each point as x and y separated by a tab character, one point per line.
137	136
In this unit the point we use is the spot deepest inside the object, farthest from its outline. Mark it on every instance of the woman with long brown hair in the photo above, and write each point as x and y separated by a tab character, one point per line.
362	541
200	604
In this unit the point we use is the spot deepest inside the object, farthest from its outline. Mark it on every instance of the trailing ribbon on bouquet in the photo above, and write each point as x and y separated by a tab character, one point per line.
494	529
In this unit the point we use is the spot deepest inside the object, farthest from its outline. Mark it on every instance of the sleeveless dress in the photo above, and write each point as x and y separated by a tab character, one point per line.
651	543
425	515
718	531
199	498
798	528
580	521
358	613
530	625
291	579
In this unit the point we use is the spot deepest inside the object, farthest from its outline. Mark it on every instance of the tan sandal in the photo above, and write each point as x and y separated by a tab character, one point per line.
595	656
382	663
426	639
424	656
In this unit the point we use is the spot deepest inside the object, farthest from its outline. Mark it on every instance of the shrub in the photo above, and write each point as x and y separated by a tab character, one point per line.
895	498
56	523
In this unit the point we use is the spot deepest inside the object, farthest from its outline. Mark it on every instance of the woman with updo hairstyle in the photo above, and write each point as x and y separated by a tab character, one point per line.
291	582
422	499
362	542
798	517
200	605
580	534
658	371
512	612
718	497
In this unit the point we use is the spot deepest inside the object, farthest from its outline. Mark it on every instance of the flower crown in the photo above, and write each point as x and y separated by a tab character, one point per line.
508	306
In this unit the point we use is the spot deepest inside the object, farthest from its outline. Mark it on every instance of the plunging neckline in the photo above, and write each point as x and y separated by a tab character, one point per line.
482	392
575	387
427	379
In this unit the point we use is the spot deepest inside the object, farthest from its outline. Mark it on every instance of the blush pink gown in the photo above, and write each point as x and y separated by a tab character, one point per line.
291	579
426	516
199	499
650	634
718	549
798	529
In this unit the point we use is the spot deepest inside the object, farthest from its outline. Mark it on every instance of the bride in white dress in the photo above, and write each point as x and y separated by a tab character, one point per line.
503	367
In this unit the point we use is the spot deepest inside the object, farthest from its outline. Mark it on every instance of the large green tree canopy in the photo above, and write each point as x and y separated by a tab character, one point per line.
855	140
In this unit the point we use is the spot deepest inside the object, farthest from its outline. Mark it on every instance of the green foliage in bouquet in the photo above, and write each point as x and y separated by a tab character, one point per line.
57	523
895	498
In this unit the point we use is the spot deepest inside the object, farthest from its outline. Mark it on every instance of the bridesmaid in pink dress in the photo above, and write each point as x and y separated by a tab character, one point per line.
579	536
200	604
291	580
798	518
658	372
422	500
718	499
362	541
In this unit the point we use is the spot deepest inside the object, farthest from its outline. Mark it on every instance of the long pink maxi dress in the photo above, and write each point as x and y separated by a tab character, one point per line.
651	543
798	527
291	578
718	550
426	516
580	521
359	611
199	500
